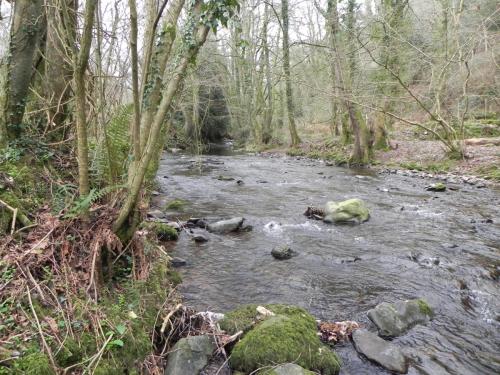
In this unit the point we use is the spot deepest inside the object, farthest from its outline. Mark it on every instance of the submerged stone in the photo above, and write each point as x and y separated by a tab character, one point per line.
351	211
395	319
190	355
380	351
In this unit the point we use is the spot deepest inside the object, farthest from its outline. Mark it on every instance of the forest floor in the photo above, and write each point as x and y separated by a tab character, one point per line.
409	151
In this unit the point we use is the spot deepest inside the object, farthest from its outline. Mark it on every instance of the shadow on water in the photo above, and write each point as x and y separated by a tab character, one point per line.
417	244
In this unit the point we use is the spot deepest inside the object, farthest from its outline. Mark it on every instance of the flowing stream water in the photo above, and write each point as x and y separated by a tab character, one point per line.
444	247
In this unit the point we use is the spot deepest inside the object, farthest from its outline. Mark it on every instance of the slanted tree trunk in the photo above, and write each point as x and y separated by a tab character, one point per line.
24	38
157	74
295	140
80	68
158	116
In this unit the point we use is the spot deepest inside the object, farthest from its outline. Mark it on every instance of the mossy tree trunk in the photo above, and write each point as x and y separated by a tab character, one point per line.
24	38
295	140
81	63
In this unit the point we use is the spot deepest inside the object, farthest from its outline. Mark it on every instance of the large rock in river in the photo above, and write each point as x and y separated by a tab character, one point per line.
226	226
351	211
286	369
190	355
288	335
378	350
395	319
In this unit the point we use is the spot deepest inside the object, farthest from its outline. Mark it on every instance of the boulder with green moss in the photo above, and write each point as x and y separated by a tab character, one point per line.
287	336
438	187
393	320
352	211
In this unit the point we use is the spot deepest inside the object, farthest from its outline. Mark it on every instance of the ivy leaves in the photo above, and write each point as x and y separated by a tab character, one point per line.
218	12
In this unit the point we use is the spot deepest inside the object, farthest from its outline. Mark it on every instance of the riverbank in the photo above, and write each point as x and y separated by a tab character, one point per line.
426	159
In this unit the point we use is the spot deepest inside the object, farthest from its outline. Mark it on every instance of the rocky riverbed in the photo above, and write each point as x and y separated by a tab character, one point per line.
441	246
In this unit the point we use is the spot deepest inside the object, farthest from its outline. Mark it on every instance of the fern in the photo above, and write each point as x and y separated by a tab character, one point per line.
82	204
111	151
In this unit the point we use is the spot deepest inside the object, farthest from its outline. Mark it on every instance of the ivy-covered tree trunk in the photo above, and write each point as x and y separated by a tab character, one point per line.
24	38
295	140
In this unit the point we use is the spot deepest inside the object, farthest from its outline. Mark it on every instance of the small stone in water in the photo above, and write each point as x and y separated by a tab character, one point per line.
283	252
178	262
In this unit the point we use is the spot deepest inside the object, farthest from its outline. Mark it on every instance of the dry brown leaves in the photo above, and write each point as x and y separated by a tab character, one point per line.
337	332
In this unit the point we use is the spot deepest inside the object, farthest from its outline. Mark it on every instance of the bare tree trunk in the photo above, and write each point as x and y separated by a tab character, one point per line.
81	64
332	24
268	115
24	38
295	140
136	122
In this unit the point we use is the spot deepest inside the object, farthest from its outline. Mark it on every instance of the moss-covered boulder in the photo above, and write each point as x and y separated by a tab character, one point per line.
351	211
395	319
288	336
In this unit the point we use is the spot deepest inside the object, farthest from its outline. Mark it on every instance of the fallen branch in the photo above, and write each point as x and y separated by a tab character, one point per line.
167	318
23	219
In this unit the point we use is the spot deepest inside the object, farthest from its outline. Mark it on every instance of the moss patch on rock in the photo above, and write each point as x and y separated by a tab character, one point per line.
162	231
245	317
176	204
424	307
288	336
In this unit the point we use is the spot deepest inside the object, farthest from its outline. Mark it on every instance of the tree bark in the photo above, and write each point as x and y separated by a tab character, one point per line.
24	38
61	30
295	140
268	115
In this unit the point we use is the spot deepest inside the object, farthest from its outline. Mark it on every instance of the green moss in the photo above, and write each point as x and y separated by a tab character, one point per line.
174	277
162	231
34	364
70	354
245	317
176	204
490	173
109	367
284	338
424	307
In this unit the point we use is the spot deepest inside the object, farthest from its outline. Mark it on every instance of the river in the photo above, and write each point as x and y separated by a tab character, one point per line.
444	247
